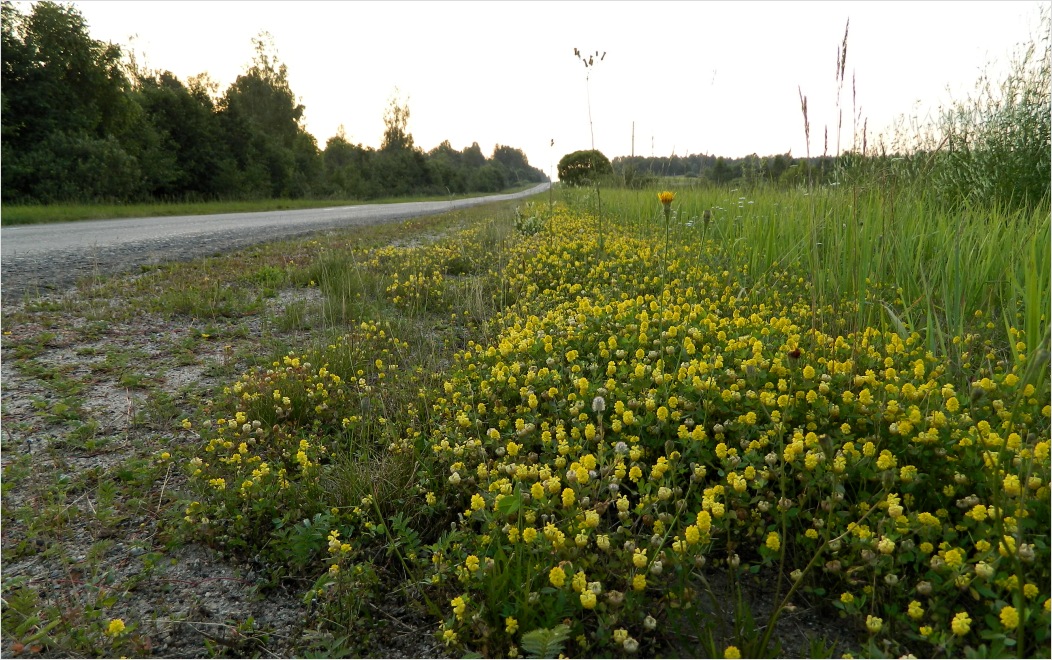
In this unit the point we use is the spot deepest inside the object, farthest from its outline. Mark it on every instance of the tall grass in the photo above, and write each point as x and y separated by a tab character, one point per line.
898	259
949	232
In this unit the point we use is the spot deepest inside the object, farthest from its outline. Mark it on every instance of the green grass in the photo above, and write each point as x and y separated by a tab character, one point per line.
437	329
898	258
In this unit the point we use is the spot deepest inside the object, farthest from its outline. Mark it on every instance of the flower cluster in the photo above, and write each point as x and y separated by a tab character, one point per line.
623	429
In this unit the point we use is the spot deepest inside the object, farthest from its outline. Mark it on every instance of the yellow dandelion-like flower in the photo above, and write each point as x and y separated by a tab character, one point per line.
666	197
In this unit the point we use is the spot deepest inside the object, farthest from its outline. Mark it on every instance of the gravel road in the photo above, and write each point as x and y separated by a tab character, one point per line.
49	257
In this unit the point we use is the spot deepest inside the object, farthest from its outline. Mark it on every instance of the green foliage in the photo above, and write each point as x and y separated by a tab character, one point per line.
584	167
546	642
81	125
997	141
64	103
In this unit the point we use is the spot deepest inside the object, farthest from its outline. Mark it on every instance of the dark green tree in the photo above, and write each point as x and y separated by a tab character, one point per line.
400	168
473	157
446	165
583	167
723	172
65	106
516	165
263	125
184	119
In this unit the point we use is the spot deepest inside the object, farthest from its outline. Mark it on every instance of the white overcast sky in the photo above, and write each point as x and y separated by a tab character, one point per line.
702	77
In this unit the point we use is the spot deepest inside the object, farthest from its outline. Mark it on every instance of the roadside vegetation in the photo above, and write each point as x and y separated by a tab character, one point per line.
716	420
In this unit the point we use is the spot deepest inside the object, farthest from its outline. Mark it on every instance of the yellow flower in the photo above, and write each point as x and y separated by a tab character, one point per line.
511	625
115	627
773	542
579	582
1009	617
915	610
732	652
568	497
639	582
639	558
874	624
557	577
961	624
472	563
588	600
666	197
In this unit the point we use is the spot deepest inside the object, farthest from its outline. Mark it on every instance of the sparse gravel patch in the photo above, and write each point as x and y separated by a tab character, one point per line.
94	387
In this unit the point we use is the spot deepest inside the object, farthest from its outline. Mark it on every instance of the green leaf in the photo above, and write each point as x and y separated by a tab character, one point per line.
509	505
545	642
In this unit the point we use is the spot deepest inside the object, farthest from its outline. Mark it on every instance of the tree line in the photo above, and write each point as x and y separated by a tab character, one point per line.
81	123
752	169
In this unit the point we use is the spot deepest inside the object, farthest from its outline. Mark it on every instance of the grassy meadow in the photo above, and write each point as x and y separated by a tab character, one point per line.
847	395
555	438
602	423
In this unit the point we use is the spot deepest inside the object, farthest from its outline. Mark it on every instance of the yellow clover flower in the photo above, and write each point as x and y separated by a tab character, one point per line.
557	577
1009	617
961	624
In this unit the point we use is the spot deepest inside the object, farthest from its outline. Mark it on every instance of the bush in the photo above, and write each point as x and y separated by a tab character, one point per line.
582	168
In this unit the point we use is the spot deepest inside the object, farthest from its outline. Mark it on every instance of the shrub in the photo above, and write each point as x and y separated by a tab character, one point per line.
583	167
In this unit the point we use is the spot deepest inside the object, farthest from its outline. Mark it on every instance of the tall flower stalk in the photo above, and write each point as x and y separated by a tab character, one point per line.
666	197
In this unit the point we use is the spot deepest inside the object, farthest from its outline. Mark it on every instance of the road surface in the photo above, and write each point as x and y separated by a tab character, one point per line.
49	257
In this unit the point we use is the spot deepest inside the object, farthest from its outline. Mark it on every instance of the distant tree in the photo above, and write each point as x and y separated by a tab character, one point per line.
473	157
445	164
263	125
516	165
722	172
583	167
396	123
777	165
65	104
185	120
400	168
346	169
488	178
